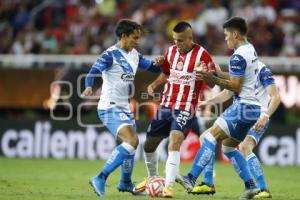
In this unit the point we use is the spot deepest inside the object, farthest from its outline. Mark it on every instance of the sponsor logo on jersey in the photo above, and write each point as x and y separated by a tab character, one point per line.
181	78
127	77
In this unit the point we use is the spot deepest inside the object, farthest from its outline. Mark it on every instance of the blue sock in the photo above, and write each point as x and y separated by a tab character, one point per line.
127	168
257	171
204	155
240	166
208	172
115	160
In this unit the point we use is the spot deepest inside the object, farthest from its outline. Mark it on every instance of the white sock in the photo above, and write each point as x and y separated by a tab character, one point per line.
172	167
151	161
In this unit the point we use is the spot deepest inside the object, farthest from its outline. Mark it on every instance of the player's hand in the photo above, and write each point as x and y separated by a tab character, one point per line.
209	78
201	67
87	92
158	61
150	90
261	122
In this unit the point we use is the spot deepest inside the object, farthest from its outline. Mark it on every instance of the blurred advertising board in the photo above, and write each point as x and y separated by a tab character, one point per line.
66	140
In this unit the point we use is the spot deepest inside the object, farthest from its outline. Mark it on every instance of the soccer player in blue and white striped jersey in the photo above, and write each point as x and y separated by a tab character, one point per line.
118	66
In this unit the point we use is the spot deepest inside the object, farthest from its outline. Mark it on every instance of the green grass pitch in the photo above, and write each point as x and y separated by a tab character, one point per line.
68	180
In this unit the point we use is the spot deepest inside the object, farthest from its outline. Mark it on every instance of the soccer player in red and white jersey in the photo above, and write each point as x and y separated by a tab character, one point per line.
177	108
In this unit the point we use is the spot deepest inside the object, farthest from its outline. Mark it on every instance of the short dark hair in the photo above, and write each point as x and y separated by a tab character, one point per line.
181	26
238	24
127	27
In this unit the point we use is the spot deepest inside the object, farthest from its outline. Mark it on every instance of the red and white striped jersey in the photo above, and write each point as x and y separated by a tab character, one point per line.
181	92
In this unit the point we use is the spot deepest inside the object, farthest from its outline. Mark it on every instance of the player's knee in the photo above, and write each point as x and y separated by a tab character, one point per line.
133	141
202	136
227	149
245	149
208	136
176	139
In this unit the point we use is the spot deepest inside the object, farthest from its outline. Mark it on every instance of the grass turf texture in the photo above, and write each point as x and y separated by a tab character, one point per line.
68	179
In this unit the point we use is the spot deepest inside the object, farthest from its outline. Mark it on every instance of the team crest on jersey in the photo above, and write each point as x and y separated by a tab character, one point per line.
179	65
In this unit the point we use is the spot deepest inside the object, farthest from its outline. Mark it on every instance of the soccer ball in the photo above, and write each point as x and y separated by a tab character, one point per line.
155	186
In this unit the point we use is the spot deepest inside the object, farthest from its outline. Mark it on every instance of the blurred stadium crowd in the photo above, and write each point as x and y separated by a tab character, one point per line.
86	26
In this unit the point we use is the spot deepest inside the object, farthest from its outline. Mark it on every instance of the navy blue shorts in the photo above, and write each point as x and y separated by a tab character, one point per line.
169	119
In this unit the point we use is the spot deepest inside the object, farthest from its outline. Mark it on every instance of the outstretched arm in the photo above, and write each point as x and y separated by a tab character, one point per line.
220	98
152	66
233	83
220	73
237	71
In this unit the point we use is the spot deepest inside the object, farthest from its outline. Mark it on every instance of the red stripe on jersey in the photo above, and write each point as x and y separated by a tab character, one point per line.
185	96
193	58
208	61
174	94
196	93
189	92
173	53
165	94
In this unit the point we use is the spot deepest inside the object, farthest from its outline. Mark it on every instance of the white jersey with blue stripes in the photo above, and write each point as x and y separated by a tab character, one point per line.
118	69
264	80
244	63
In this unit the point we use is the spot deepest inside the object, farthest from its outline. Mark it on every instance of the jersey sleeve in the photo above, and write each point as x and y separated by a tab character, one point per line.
165	68
147	64
206	57
237	65
103	62
265	77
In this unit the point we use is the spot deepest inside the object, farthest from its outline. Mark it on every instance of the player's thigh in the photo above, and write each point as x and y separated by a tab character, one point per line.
230	142
218	133
161	125
247	146
119	122
127	134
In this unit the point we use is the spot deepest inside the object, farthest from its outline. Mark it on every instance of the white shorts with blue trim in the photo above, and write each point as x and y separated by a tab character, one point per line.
237	119
116	118
256	135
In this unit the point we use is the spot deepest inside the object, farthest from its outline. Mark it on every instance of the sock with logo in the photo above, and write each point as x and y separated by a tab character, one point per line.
239	163
208	172
257	171
116	158
205	154
127	168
